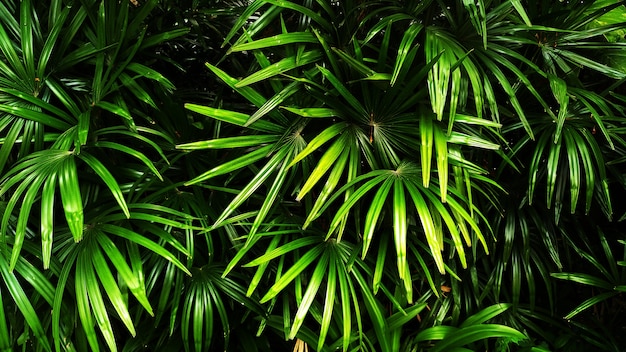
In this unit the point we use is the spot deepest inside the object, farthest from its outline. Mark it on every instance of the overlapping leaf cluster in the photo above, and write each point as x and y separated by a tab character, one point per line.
410	132
345	175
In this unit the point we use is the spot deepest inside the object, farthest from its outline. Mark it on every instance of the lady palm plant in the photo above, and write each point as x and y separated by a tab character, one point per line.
77	141
354	175
350	103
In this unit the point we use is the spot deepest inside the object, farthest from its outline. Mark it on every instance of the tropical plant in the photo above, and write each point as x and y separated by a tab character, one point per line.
356	175
350	103
77	95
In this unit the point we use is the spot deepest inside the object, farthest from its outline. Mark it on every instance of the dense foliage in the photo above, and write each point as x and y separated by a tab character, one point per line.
312	175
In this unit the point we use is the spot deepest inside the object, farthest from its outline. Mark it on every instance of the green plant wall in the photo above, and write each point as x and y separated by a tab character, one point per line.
312	175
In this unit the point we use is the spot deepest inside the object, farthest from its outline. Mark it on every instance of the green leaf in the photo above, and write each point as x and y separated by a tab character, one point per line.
329	299
517	4
5	340
233	165
358	65
71	198
310	294
405	45
281	66
319	140
327	161
23	303
485	314
276	40
300	265
589	303
474	333
344	92
118	110
233	117
111	288
230	142
472	141
426	149
559	89
373	214
345	290
108	179
123	270
47	219
282	250
436	333
144	242
441	147
12	59
585	279
270	167
313	112
270	198
274	101
589	170
258	275
554	157
137	90
20	228
374	311
39	102
400	227
147	72
574	169
329	186
35	116
354	198
132	152
398	319
321	21
594	65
